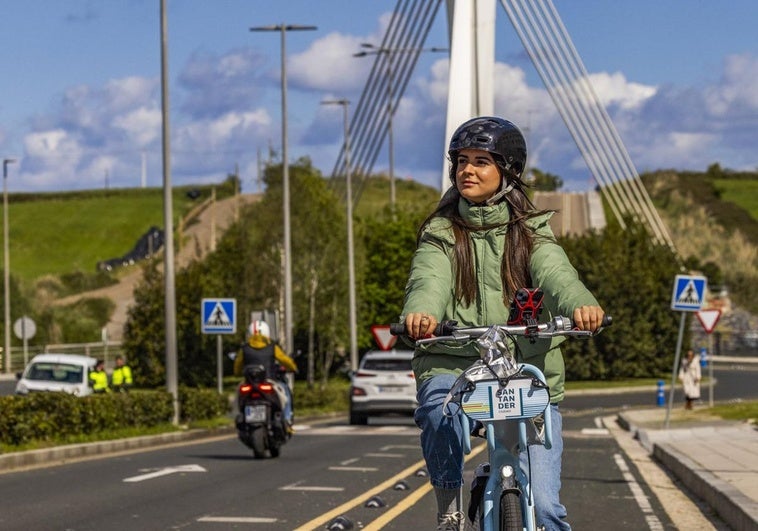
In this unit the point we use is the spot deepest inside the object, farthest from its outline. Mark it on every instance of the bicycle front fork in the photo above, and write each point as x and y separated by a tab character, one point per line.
484	502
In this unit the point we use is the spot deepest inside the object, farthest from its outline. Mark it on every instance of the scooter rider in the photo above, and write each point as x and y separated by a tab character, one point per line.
259	349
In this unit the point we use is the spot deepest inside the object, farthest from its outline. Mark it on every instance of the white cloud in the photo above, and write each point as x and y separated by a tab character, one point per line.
615	89
50	159
205	149
212	84
328	64
736	89
142	125
679	150
213	134
49	144
126	93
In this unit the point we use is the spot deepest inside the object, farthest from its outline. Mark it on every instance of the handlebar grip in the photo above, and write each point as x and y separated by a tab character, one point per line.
442	329
607	320
397	329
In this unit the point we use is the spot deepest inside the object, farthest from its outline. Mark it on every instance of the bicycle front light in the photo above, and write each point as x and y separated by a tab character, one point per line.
508	477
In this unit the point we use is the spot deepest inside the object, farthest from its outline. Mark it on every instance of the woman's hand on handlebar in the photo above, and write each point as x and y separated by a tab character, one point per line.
420	324
588	317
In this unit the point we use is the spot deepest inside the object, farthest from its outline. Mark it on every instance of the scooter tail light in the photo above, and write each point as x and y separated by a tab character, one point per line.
245	388
266	387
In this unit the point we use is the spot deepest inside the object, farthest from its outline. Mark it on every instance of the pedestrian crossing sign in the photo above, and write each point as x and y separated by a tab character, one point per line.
219	316
689	293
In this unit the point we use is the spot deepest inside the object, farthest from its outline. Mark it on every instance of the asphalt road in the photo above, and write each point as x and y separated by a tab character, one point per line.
326	471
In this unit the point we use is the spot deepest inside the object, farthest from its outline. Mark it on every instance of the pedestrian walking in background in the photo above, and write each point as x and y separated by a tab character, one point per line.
121	379
689	375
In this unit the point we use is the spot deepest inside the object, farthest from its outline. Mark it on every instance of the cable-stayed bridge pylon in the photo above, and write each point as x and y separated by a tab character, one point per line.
472	41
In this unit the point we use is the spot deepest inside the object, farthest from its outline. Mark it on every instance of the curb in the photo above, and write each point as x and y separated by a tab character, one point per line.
70	452
737	510
56	455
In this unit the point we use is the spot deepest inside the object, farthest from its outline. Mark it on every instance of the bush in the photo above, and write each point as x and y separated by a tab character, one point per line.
60	417
201	404
631	277
332	397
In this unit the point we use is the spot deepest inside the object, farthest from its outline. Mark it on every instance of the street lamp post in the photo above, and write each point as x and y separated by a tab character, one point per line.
372	49
6	269
169	273
283	29
350	252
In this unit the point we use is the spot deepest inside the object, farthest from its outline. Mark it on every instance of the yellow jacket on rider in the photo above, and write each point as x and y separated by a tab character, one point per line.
258	341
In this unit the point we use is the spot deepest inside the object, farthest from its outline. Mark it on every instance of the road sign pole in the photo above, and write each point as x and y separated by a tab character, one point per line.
709	319
710	370
219	364
674	370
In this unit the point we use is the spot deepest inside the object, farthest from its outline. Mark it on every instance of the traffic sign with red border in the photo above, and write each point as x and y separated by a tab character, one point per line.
708	318
383	337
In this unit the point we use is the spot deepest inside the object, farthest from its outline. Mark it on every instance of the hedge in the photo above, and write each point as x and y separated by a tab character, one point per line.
54	417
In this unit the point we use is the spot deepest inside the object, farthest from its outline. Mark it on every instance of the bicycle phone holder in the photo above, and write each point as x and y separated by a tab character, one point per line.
526	307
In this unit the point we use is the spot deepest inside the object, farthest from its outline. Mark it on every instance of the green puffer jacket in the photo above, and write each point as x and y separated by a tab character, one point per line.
431	289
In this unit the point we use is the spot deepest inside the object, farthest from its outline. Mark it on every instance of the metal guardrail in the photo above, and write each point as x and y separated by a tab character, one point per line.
106	351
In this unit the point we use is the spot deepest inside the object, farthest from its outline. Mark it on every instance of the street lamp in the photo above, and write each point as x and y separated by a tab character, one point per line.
283	29
371	49
6	269
350	254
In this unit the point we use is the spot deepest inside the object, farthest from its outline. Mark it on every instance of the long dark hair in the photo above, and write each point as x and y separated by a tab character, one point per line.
519	238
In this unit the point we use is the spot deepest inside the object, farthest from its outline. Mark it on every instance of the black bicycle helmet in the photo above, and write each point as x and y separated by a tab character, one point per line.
495	135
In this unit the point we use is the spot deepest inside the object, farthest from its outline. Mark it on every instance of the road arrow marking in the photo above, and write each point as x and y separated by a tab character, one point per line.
299	486
237	520
164	472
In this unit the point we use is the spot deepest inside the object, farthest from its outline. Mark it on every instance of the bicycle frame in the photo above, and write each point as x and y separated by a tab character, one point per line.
504	411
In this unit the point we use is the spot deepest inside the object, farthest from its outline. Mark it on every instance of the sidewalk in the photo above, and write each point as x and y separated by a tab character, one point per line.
716	459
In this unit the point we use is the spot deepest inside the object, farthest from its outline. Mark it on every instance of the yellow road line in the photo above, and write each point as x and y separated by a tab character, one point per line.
410	500
392	513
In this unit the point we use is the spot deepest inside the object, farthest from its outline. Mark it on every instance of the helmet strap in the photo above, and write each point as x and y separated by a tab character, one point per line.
503	190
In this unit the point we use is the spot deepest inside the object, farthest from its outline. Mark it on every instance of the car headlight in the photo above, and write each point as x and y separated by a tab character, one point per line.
21	389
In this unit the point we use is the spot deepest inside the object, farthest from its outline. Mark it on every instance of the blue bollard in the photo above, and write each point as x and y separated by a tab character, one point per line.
661	396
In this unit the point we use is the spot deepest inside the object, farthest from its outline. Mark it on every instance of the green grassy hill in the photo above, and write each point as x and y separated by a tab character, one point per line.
374	195
729	198
57	233
713	217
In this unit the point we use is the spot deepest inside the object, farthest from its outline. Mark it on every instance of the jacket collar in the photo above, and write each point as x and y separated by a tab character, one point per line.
484	215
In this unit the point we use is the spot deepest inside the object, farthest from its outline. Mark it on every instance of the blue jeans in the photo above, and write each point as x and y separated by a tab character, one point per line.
288	412
443	452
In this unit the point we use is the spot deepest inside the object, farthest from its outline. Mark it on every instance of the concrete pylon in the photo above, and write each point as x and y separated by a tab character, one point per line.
471	32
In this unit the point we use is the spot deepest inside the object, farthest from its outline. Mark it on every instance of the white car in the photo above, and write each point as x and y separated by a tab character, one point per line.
382	385
68	373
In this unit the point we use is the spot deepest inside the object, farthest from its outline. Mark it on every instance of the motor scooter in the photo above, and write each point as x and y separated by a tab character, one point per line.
260	422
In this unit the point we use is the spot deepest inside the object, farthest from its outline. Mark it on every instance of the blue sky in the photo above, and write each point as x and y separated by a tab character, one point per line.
80	98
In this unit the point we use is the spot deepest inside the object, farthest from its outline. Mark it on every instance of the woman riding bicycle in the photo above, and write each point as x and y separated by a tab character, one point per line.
484	241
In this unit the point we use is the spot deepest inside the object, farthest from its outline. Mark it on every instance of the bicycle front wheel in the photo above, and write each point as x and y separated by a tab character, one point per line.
510	512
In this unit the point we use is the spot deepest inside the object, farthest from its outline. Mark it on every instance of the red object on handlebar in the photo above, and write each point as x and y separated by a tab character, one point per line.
526	306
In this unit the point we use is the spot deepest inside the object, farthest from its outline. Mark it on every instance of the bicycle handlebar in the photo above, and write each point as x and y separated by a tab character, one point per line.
557	326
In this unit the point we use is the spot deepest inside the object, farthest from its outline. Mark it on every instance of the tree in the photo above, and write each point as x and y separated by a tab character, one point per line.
389	242
144	331
248	262
632	278
544	181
